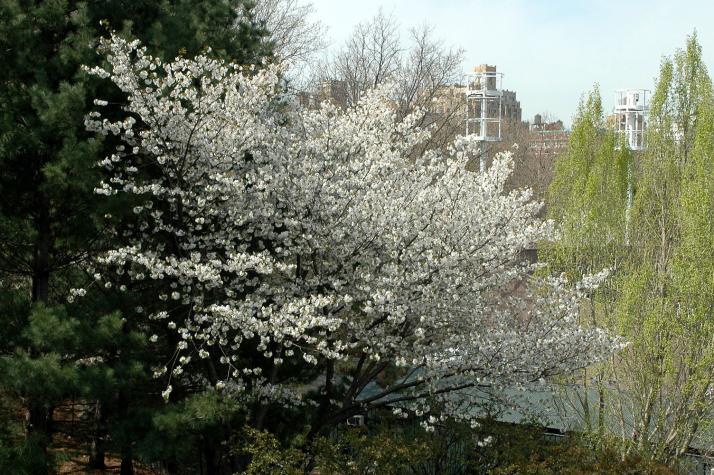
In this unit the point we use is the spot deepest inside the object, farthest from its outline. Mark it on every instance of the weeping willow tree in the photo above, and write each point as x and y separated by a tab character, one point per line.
657	395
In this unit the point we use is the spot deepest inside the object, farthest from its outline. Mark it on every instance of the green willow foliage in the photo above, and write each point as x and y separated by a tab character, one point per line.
588	193
657	394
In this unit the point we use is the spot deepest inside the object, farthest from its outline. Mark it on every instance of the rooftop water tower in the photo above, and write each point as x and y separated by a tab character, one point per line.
632	107
631	112
484	106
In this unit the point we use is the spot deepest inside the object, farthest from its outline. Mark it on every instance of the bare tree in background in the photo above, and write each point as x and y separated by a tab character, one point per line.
426	68
421	70
533	159
428	71
371	56
294	36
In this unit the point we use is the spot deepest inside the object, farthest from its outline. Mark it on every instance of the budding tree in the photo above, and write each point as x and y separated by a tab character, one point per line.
656	396
276	238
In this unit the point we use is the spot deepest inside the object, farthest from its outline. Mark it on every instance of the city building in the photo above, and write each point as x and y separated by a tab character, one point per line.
333	91
510	106
452	98
547	139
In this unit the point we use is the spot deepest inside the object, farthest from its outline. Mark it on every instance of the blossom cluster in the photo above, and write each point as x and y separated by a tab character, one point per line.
272	234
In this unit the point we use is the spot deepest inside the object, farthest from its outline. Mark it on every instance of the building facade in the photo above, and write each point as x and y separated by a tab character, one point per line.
452	98
547	139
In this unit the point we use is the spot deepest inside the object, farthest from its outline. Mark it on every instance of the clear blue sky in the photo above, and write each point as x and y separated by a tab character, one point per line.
550	51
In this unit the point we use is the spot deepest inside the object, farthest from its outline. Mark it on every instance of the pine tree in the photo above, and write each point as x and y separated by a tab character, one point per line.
49	215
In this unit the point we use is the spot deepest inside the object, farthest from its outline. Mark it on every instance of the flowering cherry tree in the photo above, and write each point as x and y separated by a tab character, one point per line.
275	238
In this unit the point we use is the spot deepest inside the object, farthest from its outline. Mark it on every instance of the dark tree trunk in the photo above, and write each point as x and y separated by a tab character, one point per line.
318	422
263	409
212	465
320	417
96	456
127	462
38	423
41	261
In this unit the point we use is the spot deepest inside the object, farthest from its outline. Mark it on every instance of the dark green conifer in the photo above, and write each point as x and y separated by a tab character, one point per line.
51	222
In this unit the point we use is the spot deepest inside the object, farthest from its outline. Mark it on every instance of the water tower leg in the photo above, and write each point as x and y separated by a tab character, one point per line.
482	157
628	206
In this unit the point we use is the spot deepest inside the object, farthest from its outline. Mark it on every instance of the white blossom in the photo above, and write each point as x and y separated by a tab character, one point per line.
322	236
167	392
